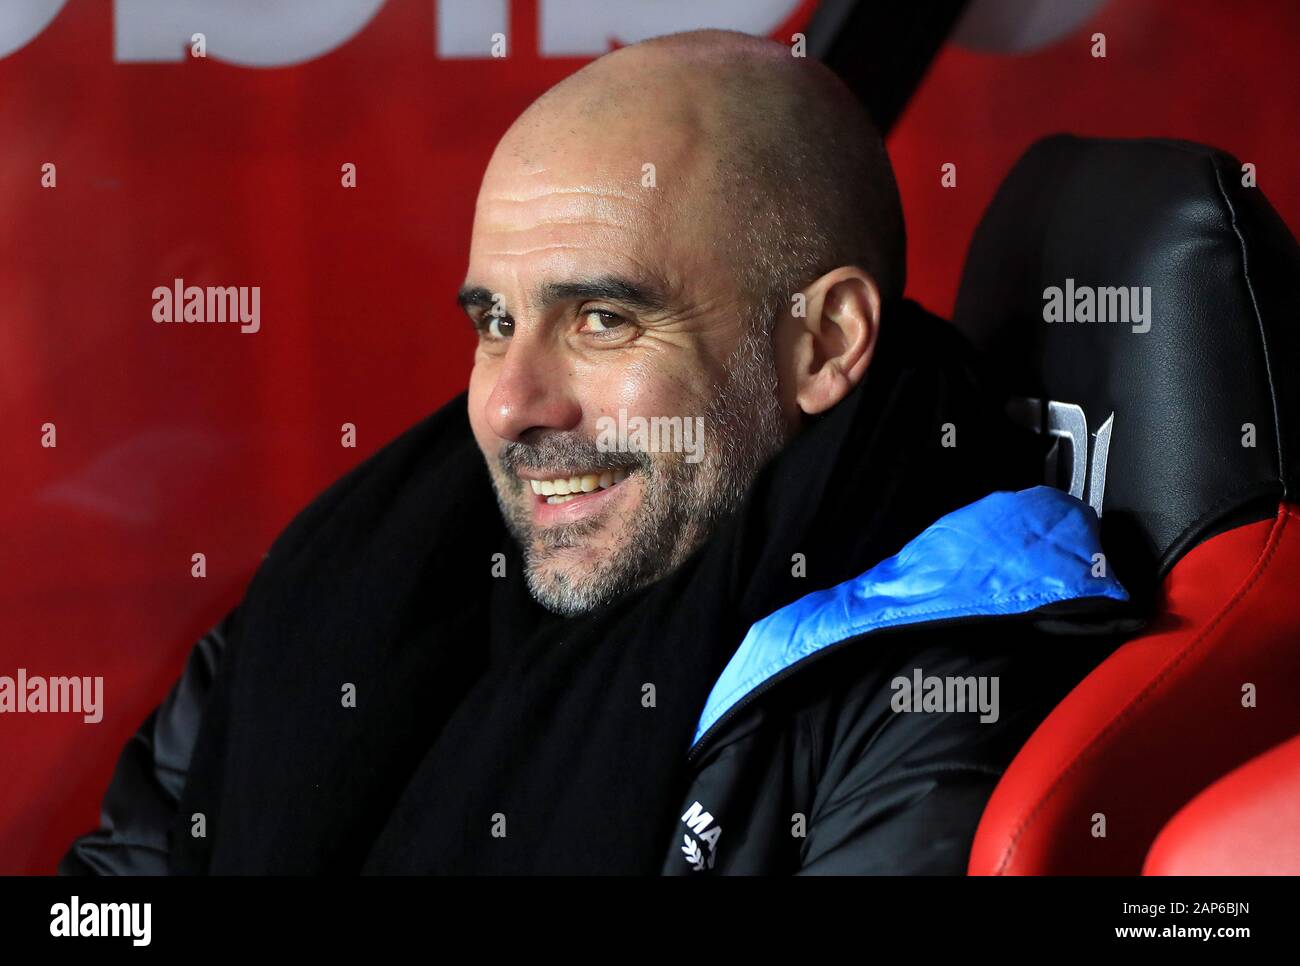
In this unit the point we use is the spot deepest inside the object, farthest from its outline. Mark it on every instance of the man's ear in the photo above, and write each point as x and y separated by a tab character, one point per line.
823	352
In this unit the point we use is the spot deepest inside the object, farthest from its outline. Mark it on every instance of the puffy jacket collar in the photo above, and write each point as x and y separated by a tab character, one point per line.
1008	553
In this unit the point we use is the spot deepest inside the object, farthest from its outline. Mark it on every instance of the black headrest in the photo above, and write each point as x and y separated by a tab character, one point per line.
1078	229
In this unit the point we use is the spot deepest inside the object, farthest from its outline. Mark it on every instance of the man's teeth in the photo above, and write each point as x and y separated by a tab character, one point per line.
563	489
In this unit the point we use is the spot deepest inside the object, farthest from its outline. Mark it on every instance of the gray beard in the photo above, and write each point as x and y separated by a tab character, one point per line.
682	502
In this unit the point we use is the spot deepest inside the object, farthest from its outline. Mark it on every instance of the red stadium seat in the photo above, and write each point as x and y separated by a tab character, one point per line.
1193	465
1246	823
1162	716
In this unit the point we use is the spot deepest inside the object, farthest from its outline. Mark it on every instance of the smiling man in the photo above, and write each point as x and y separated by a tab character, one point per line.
718	178
503	645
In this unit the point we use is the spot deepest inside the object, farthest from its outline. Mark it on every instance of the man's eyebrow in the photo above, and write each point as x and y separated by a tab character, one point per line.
473	295
612	288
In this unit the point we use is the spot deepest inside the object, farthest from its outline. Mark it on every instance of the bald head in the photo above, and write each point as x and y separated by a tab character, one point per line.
775	149
639	238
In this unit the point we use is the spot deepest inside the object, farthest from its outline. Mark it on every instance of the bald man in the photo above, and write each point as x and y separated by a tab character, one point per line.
727	561
697	225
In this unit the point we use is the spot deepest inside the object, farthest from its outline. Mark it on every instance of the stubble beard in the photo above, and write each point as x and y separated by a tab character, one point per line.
681	505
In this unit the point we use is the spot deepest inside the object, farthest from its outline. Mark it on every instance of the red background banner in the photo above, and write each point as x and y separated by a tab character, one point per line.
174	440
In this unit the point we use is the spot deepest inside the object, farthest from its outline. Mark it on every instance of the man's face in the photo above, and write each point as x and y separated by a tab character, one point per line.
597	300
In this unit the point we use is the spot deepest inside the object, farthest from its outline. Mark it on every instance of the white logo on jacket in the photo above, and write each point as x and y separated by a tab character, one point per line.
699	822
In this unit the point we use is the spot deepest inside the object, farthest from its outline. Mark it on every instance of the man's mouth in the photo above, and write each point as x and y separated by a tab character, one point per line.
562	489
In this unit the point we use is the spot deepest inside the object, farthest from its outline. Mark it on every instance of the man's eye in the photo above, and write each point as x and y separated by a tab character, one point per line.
598	320
496	326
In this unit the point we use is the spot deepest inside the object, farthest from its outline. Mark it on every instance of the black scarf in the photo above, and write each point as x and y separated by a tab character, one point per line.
478	713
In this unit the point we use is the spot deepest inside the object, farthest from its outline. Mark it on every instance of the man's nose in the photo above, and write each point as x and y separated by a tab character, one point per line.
531	392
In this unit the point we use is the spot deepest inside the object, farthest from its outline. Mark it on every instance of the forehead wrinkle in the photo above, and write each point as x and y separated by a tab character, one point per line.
516	198
504	240
574	207
521	252
505	229
567	224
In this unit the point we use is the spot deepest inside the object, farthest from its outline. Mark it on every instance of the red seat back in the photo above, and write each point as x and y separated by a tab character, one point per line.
1176	414
1212	683
1246	823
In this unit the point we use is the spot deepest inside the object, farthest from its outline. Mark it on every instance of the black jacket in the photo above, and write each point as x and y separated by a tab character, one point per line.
803	757
810	757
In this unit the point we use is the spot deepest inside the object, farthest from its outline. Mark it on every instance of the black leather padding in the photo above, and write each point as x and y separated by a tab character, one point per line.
1222	350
